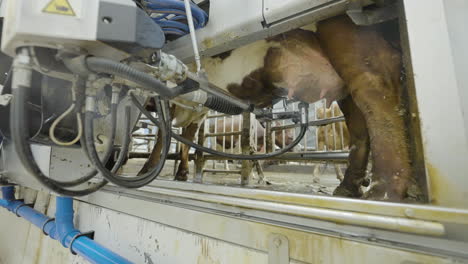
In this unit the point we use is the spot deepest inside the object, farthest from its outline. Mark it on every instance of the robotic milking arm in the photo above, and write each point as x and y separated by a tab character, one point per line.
77	68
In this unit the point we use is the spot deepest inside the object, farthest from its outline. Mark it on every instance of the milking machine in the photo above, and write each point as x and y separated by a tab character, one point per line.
80	76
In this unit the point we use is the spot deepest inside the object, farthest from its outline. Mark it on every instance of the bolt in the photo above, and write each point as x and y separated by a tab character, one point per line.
409	212
277	242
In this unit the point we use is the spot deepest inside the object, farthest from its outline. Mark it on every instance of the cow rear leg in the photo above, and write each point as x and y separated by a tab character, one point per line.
183	170
379	103
358	150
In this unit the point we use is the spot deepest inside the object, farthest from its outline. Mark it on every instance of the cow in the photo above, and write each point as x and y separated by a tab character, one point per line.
353	65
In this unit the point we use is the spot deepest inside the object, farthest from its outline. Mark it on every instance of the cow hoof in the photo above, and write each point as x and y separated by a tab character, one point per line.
143	170
380	192
345	191
181	175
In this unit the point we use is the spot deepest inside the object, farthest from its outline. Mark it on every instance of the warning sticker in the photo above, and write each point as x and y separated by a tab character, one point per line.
59	7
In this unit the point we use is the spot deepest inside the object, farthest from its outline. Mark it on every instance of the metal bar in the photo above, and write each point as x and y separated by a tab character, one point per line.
320	122
222	134
222	171
232	136
336	156
398	224
199	156
240	129
143	135
300	156
246	141
399	210
216	116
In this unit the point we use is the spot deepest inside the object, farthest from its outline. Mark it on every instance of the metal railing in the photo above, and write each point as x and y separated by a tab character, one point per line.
325	142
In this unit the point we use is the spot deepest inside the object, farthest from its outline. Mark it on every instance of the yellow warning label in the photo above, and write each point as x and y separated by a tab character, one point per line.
59	7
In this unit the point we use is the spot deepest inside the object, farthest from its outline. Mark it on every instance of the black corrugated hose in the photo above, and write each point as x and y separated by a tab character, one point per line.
124	181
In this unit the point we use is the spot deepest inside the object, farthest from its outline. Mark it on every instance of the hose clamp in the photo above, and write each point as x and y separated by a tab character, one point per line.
90	103
45	223
89	234
304	107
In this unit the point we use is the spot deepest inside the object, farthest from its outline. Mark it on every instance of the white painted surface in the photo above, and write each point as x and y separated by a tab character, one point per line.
145	241
139	240
437	54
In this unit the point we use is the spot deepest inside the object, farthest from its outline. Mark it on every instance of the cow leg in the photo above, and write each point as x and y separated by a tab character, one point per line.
358	150
339	173
156	153
154	156
380	107
183	170
371	69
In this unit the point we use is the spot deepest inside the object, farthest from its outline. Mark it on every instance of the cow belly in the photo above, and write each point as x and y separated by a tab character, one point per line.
184	117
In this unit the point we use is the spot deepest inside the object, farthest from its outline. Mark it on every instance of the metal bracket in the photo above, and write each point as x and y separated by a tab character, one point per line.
5	99
278	249
362	17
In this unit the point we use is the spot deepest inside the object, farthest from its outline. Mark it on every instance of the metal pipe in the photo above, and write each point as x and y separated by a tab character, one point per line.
62	228
222	171
223	134
399	224
300	156
193	37
319	122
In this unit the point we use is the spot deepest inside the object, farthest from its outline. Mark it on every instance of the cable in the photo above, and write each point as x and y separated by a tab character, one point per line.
172	15
193	37
60	118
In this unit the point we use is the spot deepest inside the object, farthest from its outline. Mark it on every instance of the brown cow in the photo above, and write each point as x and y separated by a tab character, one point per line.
352	64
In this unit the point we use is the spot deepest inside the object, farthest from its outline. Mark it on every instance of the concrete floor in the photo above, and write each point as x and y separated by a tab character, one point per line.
295	178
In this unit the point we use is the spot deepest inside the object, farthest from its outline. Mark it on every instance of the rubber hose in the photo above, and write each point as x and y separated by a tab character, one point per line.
222	105
102	65
107	153
127	182
244	157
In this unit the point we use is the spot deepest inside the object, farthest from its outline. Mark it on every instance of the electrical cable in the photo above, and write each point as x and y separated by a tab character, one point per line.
193	37
172	14
60	118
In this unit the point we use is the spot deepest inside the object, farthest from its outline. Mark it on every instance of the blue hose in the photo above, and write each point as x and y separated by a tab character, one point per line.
172	12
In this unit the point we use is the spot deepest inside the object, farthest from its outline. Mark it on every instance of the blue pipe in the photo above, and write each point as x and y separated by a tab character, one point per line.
62	228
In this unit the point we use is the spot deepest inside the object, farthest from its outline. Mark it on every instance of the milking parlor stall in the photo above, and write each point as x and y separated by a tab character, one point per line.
247	131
